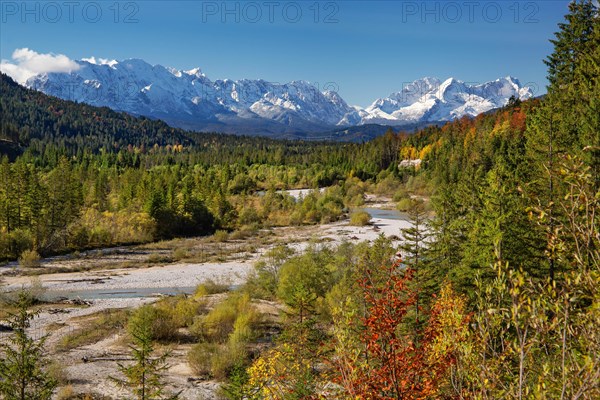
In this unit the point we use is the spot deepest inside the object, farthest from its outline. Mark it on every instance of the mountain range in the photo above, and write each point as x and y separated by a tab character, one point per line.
190	100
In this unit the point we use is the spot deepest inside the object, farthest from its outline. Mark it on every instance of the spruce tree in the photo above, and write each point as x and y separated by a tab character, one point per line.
144	377
567	121
22	375
414	248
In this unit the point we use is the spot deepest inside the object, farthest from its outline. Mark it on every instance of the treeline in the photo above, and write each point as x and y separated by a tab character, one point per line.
76	205
42	128
75	176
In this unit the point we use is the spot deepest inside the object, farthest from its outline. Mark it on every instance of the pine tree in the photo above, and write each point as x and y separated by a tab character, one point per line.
567	122
143	377
414	247
448	234
22	376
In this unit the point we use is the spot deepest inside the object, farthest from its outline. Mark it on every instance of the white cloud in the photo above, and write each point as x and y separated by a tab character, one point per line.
26	63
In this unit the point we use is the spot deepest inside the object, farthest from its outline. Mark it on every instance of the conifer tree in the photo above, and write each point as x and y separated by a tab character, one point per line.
414	248
143	377
567	121
22	375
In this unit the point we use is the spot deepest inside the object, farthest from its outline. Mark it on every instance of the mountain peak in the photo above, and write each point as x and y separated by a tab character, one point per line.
188	99
194	71
100	61
429	99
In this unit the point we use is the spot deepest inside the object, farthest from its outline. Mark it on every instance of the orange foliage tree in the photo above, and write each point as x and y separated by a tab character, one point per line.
395	362
393	365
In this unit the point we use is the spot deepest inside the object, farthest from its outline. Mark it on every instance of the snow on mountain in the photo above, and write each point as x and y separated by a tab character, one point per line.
189	99
429	99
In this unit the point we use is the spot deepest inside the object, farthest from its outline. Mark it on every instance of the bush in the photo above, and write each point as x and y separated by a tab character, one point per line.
215	360
217	324
19	240
386	184
244	327
65	393
400	194
159	321
262	283
181	310
244	232
404	205
200	357
180	253
221	321
221	236
210	286
223	362
57	372
248	216
360	218
30	259
157	258
357	200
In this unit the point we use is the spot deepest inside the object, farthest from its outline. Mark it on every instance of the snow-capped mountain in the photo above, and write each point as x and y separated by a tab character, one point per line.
430	99
189	99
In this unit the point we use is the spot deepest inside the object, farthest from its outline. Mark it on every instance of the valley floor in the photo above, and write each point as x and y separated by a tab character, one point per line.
128	277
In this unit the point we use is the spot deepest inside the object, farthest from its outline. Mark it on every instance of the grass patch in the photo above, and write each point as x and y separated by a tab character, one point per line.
158	258
95	328
180	253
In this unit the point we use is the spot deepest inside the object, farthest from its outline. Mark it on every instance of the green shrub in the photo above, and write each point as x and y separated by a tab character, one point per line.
210	286
244	326
200	357
400	194
357	200
220	236
262	283
404	204
160	323
360	218
181	309
29	259
220	322
217	324
215	360
386	184
19	240
223	362
180	253
305	278
249	216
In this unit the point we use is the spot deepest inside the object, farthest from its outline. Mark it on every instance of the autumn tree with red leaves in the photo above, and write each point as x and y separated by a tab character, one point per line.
391	364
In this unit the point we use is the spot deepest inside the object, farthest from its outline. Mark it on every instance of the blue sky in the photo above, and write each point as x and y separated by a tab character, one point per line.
363	49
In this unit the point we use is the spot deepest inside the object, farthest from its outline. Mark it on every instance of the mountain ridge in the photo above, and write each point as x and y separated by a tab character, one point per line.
189	99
